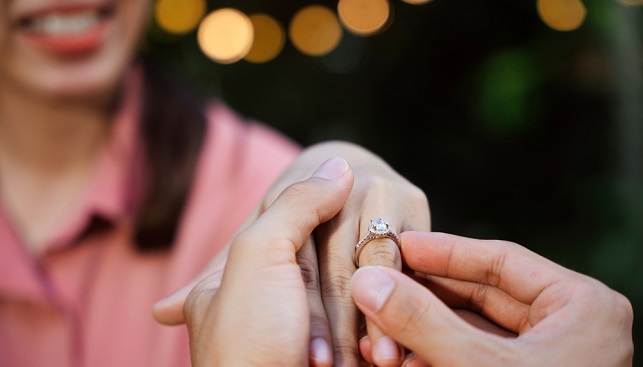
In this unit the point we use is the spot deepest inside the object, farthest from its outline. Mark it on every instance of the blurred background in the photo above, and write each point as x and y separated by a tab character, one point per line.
521	120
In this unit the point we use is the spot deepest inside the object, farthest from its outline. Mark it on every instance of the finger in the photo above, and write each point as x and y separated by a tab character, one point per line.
366	349
385	252
515	270
472	318
169	311
262	266
319	351
490	302
412	360
411	314
336	270
284	227
381	252
484	324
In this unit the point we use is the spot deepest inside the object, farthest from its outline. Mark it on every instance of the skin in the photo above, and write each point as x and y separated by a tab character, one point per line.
227	325
528	311
64	79
335	321
551	316
55	112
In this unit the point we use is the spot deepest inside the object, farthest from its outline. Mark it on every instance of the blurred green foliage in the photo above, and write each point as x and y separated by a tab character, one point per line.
514	130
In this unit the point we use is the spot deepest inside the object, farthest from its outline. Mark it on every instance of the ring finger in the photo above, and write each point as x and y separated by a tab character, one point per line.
380	252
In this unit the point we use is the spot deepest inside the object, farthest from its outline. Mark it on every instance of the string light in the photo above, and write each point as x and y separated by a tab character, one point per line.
315	30
364	17
269	39
228	35
179	16
562	15
416	2
225	35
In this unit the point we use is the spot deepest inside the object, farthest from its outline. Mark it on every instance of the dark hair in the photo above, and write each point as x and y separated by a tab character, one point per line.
172	130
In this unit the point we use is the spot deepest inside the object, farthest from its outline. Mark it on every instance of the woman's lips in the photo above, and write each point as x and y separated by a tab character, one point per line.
67	30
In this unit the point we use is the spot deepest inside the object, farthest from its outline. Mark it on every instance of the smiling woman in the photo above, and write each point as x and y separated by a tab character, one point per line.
97	160
78	48
68	31
117	185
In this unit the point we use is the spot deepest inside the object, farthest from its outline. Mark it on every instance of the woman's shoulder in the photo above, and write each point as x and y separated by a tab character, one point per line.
239	161
243	148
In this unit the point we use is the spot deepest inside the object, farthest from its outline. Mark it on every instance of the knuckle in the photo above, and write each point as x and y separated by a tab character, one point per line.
623	308
244	238
375	182
318	325
495	270
338	285
270	197
298	189
346	348
505	245
309	273
477	298
196	304
603	299
418	197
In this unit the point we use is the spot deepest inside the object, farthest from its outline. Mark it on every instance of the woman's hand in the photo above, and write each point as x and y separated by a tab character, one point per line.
259	315
378	191
326	259
557	317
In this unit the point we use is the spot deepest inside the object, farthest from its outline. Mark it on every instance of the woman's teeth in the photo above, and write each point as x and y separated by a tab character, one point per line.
63	24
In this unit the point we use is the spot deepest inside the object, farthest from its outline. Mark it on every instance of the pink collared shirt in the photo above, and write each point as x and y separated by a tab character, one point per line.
87	301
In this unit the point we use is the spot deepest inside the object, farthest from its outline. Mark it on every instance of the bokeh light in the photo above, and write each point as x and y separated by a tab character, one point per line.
179	16
315	30
226	35
269	38
417	2
562	15
364	17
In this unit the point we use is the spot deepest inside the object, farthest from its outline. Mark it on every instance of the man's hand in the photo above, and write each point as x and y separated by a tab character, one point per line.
561	318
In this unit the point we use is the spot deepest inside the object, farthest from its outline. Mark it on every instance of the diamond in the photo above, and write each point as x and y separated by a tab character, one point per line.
378	226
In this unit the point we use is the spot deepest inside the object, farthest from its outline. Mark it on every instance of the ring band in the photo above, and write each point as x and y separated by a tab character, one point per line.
377	229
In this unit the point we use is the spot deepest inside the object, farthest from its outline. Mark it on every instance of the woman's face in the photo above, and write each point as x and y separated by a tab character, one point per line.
67	49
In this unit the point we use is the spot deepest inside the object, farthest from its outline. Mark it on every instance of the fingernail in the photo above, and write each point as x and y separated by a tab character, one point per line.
371	287
386	350
332	169
320	352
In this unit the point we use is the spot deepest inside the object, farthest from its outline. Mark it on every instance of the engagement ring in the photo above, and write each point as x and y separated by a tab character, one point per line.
377	229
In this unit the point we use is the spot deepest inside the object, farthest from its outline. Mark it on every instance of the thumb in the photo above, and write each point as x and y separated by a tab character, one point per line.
416	318
283	228
262	267
323	199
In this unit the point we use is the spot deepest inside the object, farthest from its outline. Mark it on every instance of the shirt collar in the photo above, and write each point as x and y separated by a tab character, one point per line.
114	188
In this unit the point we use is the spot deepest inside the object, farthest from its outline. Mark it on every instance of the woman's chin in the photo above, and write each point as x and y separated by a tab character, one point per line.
75	87
83	93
